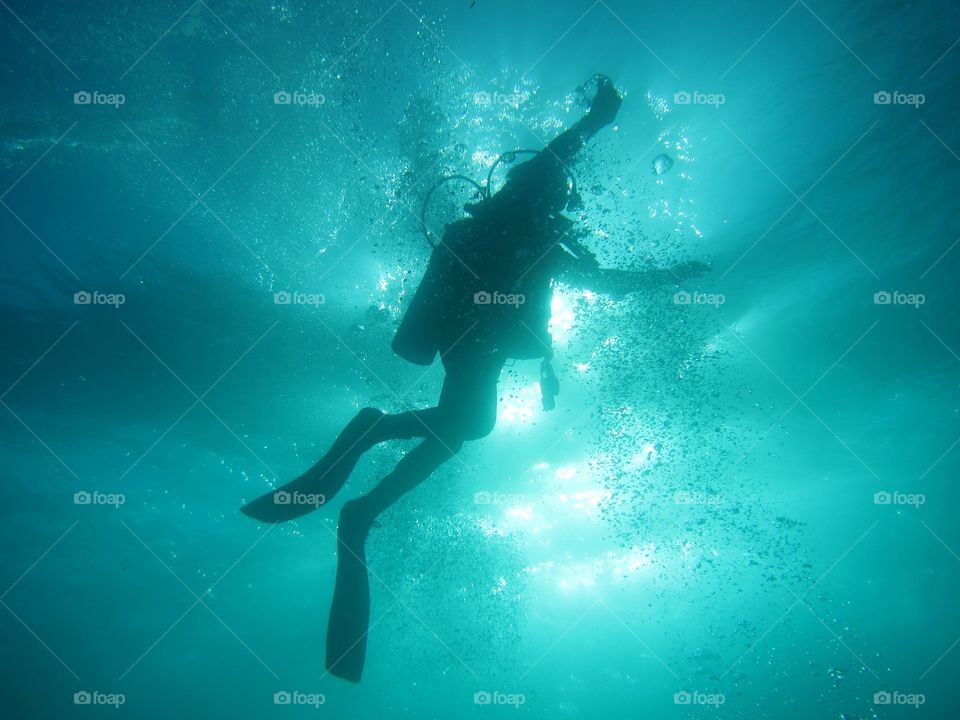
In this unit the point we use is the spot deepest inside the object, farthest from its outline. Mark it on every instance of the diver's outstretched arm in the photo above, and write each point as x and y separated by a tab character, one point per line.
603	111
590	276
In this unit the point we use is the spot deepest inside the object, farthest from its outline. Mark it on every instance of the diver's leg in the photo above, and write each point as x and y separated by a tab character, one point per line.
467	409
360	434
415	467
321	482
350	609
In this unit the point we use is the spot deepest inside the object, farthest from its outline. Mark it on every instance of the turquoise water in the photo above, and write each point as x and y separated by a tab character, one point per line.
742	506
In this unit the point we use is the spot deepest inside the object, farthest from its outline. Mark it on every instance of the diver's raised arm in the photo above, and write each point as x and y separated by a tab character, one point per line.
542	181
603	111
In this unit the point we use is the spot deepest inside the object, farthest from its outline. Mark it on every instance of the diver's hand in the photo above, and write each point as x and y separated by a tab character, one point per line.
606	103
689	270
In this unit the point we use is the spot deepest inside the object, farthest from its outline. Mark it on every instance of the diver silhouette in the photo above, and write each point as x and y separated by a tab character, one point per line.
484	298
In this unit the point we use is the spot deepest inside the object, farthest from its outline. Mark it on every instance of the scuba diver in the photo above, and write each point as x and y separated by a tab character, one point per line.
484	298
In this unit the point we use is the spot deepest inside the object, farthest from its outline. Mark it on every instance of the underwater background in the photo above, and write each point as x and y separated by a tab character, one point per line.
744	503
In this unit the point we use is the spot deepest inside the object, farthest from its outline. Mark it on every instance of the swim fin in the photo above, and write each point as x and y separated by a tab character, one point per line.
320	483
350	611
